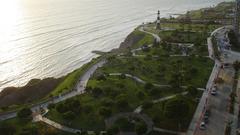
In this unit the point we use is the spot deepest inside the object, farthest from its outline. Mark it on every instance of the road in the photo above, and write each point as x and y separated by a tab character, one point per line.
79	89
218	104
196	120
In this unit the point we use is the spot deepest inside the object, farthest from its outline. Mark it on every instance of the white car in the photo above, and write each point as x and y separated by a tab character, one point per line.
202	126
214	91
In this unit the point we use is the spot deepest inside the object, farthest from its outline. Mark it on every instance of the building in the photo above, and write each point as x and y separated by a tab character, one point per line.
236	18
158	27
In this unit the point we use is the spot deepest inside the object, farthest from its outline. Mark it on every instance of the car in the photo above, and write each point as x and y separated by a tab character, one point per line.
207	113
202	126
214	92
205	119
226	65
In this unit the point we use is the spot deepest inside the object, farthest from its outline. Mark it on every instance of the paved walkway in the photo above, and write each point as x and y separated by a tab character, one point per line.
137	79
158	39
55	125
168	131
139	108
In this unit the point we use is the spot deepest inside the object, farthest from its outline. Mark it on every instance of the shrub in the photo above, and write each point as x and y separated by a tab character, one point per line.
105	112
69	115
147	105
148	86
140	128
24	113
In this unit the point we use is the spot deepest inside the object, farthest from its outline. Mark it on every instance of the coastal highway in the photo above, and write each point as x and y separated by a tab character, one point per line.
79	89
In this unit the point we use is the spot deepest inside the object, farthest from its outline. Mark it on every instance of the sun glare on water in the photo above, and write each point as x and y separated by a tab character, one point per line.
10	14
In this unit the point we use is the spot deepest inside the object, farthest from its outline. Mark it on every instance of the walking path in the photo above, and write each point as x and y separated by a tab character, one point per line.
167	131
144	82
55	125
139	108
137	79
158	39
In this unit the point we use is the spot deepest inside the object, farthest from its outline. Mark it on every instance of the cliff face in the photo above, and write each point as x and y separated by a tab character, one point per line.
130	40
34	90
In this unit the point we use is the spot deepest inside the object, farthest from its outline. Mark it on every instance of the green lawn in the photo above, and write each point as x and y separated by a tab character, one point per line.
156	112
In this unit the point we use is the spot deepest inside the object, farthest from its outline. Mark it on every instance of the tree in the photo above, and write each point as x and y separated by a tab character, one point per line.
87	108
122	104
113	130
51	106
176	79
25	114
236	65
147	104
105	112
140	128
107	102
193	71
7	129
141	95
61	108
192	91
123	123
233	38
176	109
96	92
69	115
148	86
155	92
29	131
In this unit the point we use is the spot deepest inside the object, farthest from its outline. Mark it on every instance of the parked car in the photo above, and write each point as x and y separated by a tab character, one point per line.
202	126
205	119
214	91
207	113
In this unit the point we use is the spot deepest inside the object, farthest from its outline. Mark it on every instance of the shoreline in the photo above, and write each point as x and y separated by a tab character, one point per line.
128	41
22	81
10	96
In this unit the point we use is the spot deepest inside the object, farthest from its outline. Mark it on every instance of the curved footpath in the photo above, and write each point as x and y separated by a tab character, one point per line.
158	39
139	80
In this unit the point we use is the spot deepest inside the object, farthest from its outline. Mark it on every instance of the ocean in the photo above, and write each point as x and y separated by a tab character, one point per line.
50	38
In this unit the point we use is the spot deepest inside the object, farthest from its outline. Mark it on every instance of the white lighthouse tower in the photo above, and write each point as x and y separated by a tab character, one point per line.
158	27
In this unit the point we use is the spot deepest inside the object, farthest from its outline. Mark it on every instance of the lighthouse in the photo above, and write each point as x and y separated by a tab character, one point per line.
158	27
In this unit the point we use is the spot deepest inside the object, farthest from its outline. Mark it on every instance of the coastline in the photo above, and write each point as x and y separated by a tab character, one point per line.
6	92
14	96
